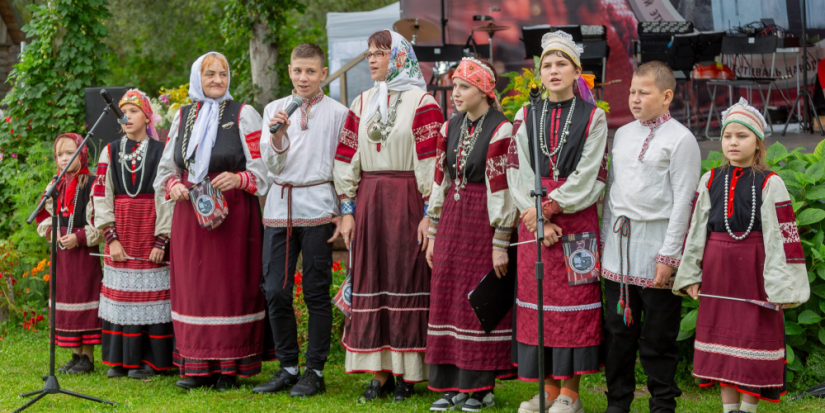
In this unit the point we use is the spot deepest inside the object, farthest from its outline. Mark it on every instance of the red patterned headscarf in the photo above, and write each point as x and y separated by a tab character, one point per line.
139	99
69	183
479	75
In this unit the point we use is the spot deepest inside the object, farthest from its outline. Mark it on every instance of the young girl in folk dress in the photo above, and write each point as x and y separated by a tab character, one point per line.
742	244
78	274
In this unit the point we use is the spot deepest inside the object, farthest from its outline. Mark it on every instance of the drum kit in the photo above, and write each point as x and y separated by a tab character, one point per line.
417	30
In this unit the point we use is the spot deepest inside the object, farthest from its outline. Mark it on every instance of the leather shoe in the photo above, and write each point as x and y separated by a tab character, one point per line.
281	380
310	384
195	382
226	383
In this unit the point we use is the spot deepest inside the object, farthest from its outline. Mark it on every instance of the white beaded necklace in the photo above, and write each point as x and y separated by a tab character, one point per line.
753	210
138	158
562	139
71	217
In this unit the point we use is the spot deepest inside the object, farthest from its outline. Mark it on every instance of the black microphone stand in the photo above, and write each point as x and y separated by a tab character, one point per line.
804	97
538	193
51	386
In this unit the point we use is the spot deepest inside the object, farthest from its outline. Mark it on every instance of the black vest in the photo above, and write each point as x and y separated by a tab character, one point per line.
476	166
571	153
150	168
742	199
83	194
227	153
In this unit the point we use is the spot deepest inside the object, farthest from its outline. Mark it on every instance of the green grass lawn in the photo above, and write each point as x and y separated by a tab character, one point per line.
24	358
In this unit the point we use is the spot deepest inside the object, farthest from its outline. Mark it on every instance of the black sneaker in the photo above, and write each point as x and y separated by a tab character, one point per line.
449	401
478	401
281	380
68	366
145	371
403	390
83	366
226	382
375	390
195	382
309	384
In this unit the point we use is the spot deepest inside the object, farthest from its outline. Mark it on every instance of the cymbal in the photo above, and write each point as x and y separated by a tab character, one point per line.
417	30
491	28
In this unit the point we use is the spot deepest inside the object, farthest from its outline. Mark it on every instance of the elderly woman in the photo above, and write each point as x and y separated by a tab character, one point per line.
386	160
217	306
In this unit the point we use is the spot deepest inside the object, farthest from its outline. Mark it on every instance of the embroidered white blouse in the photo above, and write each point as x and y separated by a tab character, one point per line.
656	194
306	159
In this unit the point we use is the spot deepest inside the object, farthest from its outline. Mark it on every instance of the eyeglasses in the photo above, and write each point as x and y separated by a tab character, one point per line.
379	54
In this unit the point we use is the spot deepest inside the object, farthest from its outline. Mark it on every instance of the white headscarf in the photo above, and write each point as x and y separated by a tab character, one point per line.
403	74
205	129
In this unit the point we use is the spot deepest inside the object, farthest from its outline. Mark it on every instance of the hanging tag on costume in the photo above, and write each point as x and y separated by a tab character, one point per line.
581	257
209	204
343	298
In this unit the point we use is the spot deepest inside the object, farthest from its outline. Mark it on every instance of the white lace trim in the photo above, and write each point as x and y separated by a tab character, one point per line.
77	306
136	280
243	319
742	353
468	338
461	330
151	312
561	309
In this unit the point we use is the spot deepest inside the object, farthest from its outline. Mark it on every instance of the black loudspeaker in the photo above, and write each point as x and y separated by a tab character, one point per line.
109	129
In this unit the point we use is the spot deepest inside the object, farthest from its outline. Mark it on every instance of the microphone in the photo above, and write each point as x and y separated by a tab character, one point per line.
121	118
535	95
293	106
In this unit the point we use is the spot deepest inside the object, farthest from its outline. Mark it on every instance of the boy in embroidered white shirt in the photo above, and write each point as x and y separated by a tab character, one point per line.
654	170
301	217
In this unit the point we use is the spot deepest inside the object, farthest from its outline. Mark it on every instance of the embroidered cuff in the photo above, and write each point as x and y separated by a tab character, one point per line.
173	180
249	182
284	138
161	242
550	208
501	238
671	262
81	237
433	228
110	233
348	207
426	205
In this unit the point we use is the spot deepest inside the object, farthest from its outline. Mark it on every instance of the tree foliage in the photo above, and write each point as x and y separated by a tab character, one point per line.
65	56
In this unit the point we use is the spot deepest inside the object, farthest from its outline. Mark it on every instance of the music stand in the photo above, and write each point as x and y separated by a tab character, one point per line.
804	97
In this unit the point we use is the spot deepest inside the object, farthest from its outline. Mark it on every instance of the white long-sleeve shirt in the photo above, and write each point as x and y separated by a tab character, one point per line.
656	194
306	158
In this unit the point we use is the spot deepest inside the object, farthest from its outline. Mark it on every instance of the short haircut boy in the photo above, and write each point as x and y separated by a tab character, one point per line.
661	74
309	50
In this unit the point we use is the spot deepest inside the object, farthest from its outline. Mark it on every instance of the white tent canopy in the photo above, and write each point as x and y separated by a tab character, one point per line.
347	35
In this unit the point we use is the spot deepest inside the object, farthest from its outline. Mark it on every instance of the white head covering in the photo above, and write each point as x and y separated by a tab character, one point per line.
205	129
563	42
403	74
747	115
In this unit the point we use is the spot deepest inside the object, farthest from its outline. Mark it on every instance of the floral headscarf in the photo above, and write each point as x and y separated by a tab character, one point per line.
139	99
403	74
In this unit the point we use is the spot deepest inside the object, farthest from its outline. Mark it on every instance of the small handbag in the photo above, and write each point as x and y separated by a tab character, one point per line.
581	257
209	204
343	298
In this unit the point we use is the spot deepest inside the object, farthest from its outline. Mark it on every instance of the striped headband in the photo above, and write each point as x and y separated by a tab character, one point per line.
747	115
563	42
477	74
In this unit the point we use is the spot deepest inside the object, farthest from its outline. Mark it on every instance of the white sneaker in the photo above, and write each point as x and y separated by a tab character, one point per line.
565	404
532	405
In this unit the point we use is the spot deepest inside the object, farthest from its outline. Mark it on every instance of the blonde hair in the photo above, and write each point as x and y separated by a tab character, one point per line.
82	178
662	75
212	58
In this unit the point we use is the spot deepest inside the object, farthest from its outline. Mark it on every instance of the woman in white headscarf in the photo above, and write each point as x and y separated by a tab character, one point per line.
386	160
217	305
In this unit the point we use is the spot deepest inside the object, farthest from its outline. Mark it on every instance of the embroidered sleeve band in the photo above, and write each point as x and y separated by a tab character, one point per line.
110	233
501	238
248	182
347	207
670	262
161	242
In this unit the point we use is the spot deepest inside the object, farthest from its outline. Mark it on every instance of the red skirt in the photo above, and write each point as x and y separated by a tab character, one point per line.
78	276
462	256
391	278
572	314
738	344
217	305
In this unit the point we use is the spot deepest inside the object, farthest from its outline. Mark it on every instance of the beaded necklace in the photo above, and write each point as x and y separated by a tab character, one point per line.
465	146
560	139
729	207
137	159
71	217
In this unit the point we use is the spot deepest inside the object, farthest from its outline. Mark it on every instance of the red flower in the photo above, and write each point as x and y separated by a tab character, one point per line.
298	278
336	266
298	291
39	318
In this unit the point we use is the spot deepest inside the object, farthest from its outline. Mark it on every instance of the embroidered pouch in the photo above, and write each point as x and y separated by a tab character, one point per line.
343	298
581	257
209	204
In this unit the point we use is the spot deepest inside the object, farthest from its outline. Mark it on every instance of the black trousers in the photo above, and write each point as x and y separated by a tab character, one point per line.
655	340
311	242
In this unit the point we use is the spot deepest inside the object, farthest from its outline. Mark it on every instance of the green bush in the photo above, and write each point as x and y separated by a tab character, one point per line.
804	176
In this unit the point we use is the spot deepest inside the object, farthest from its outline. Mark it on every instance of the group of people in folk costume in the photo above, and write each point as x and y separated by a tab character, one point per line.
426	208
